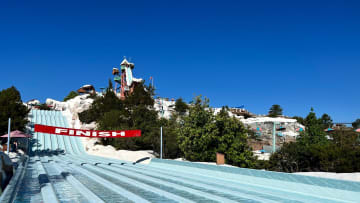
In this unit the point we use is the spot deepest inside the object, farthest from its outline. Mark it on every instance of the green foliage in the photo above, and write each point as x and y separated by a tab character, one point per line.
299	119
135	112
180	106
71	95
100	106
275	110
12	107
314	152
202	135
171	148
326	121
356	123
44	107
197	136
314	130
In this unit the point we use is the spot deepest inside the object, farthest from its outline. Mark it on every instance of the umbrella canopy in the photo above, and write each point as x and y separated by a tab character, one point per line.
357	130
16	133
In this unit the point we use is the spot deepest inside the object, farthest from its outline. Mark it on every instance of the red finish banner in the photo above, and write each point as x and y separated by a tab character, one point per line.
86	133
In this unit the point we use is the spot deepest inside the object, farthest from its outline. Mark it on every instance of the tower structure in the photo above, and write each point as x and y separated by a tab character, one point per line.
125	79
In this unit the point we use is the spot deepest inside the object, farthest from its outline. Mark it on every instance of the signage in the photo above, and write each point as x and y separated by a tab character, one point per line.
86	133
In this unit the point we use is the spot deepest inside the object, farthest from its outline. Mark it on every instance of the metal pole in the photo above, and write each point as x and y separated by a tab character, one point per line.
161	133
8	142
161	143
274	140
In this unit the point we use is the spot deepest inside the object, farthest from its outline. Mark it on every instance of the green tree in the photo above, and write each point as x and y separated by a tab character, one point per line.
197	135
326	121
171	148
100	106
44	107
135	112
71	95
202	134
180	106
11	106
232	140
275	110
339	151
299	119
356	123
314	129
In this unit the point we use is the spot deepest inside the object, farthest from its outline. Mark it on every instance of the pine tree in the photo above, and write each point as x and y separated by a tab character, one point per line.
275	110
180	106
71	95
326	121
12	107
356	123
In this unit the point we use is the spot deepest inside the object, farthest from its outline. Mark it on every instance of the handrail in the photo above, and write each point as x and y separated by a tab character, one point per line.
11	189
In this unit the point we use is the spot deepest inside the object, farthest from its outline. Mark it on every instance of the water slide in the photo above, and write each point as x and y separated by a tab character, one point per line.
60	170
129	76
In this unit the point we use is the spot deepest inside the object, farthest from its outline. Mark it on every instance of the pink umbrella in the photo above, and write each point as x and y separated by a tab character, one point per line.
16	133
357	130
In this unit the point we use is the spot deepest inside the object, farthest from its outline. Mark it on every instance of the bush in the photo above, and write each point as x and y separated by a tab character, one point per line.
44	107
71	95
314	152
202	135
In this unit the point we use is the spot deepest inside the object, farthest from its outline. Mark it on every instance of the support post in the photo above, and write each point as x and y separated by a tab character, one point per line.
274	139
161	143
8	142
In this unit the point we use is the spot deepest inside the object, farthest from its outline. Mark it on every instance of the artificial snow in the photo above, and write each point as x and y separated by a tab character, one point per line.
167	107
33	102
265	124
71	108
110	152
338	176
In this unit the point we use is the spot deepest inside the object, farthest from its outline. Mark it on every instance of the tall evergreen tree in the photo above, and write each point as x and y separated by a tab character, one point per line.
12	107
275	110
326	121
314	128
356	123
180	106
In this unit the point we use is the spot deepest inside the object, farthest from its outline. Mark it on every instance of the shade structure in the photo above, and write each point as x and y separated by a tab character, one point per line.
328	129
16	133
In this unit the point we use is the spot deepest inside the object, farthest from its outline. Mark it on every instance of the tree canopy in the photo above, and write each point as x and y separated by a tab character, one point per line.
316	150
180	106
356	123
275	110
202	134
326	121
135	112
11	106
71	95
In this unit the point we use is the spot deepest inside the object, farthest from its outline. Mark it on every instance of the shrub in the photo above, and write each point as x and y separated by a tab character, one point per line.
71	95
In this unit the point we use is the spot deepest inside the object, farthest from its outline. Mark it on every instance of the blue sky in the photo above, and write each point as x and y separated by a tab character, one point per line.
299	54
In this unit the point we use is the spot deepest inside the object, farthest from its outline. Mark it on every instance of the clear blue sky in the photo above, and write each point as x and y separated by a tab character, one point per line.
299	54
